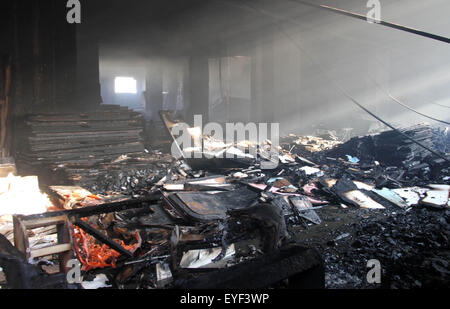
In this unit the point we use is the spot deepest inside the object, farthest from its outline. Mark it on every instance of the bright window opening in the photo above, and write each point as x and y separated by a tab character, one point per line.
125	85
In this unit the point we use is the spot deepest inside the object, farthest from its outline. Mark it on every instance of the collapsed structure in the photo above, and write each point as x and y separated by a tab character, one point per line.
212	225
97	190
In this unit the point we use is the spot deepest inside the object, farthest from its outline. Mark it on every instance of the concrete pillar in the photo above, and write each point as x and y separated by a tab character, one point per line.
170	86
287	85
153	93
198	88
263	85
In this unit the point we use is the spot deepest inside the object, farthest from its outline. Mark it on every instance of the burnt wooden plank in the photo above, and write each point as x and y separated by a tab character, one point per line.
100	209
102	238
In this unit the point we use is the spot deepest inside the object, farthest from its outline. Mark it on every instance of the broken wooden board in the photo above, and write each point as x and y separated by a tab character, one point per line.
391	197
436	199
411	195
330	182
360	199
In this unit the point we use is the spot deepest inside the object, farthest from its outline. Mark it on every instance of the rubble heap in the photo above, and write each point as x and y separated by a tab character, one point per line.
191	221
412	247
390	147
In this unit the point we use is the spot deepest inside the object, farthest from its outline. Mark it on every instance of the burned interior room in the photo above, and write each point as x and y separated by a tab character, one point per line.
224	144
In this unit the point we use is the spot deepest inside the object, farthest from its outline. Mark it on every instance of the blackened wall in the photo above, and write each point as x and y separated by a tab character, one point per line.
42	47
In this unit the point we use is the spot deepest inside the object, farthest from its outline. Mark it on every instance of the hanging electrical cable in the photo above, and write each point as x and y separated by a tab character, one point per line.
278	17
348	96
415	111
403	104
384	23
442	105
376	22
333	83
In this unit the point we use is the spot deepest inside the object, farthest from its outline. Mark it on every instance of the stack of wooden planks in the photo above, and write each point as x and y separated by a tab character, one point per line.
82	140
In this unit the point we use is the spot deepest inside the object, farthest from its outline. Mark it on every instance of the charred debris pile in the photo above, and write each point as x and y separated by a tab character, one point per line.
209	222
411	246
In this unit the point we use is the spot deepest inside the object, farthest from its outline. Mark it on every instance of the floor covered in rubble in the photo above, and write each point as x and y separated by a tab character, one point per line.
213	145
412	245
333	197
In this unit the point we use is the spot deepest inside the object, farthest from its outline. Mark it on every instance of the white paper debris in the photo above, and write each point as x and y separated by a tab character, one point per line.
312	171
203	258
98	283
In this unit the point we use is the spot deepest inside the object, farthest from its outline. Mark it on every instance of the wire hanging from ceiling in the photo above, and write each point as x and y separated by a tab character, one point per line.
374	21
336	85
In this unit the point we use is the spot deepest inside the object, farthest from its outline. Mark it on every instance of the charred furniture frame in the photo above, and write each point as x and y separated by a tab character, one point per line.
62	220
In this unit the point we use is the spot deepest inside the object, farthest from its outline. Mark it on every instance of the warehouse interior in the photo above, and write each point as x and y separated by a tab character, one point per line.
362	124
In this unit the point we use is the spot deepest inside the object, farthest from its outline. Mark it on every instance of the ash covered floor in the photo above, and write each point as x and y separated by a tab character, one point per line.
351	202
412	247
